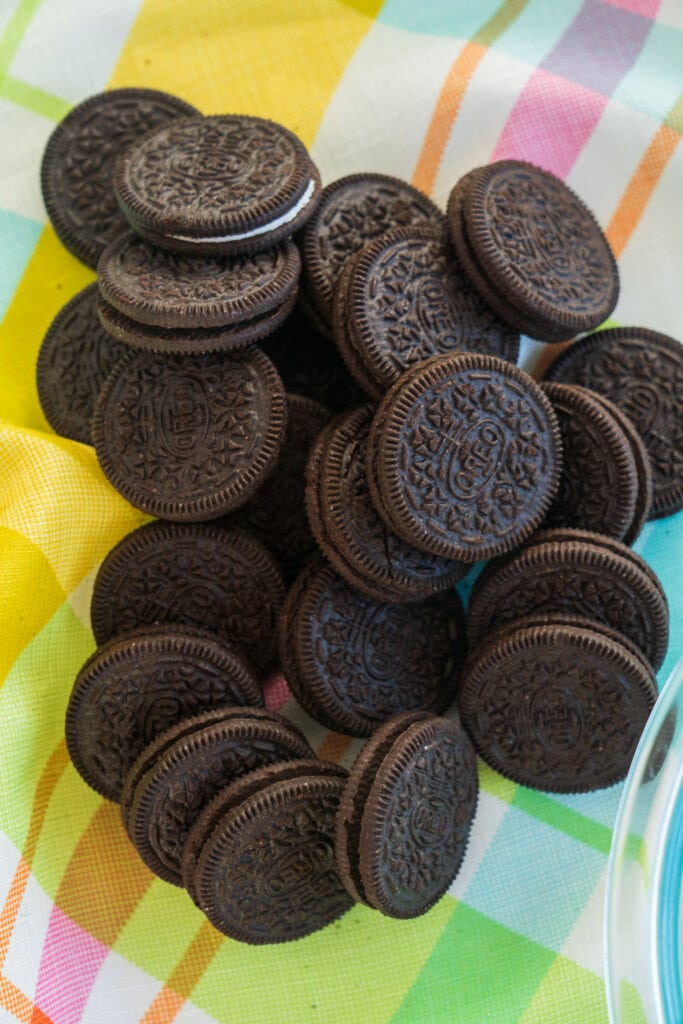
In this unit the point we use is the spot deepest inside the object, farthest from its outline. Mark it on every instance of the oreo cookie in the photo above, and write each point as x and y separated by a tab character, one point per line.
229	183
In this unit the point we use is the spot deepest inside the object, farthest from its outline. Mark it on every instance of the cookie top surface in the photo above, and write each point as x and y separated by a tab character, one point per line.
137	685
540	245
583	579
467	456
76	356
599	479
353	211
557	708
641	371
189	440
169	289
199	574
408	300
214	178
276	514
357	531
78	164
182	779
408	827
268	872
363	661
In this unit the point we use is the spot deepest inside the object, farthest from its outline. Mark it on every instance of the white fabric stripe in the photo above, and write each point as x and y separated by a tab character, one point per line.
584	944
120	994
377	119
490	813
28	938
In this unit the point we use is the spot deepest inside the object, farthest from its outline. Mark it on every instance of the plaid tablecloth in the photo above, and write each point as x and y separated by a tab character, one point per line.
423	89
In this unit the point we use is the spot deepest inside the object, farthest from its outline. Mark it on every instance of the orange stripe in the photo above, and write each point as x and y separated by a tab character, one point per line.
333	747
14	1000
640	188
185	976
445	113
52	773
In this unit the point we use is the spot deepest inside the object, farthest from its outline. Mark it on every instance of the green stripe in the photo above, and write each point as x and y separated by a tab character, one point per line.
674	119
577	826
10	40
494	784
499	22
34	99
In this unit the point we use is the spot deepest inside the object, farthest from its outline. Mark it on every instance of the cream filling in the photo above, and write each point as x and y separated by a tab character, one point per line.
271	226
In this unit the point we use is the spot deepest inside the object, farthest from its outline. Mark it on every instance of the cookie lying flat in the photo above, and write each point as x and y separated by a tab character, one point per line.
405	814
353	211
204	575
141	683
266	873
78	164
180	772
353	662
227	183
404	298
599	479
464	456
547	267
556	707
641	372
76	356
190	439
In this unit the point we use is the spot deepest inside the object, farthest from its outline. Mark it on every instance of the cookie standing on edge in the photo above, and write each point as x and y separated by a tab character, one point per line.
405	814
190	440
76	356
198	574
78	163
229	183
641	372
141	683
464	456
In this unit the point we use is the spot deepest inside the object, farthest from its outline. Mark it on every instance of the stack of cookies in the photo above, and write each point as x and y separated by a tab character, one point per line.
329	546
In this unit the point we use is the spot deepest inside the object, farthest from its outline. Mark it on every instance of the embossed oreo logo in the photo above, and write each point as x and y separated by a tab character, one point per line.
300	870
382	638
642	402
557	719
475	458
430	820
184	416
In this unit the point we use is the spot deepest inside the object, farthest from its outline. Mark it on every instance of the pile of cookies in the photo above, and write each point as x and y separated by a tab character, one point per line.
335	542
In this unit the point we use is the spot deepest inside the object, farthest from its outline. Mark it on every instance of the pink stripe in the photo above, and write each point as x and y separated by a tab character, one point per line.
69	965
276	692
646	8
550	124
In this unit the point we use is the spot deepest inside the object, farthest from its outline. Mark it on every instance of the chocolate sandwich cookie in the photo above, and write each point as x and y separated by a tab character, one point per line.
161	803
276	514
232	796
137	685
538	245
350	532
310	365
357	661
641	372
167	289
558	708
599	479
78	163
190	438
191	340
353	211
406	299
267	873
464	456
205	575
584	579
405	814
75	358
643	466
229	183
